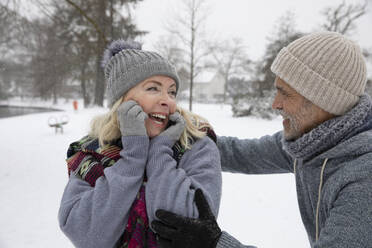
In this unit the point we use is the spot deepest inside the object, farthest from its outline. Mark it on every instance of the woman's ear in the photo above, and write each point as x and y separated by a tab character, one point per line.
177	109
125	98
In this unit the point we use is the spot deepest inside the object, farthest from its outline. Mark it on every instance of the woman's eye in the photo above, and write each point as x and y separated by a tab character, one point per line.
152	89
173	93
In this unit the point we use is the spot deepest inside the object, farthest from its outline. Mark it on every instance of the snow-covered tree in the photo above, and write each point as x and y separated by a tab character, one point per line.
229	58
187	25
341	18
258	100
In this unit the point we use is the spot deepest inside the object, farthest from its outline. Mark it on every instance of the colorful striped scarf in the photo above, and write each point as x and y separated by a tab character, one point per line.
87	160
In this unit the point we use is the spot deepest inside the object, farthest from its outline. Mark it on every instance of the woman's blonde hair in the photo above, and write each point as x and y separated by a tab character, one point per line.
106	127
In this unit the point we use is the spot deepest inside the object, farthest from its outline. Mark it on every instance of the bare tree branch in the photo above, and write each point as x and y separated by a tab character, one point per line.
90	20
187	27
341	18
229	58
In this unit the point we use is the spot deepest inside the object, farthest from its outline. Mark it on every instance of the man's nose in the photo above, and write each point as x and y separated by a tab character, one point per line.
277	104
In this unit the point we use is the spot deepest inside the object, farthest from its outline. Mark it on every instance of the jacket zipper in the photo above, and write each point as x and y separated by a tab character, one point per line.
319	195
318	203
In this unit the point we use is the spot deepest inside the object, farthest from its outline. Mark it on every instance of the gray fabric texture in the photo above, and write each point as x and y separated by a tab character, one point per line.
172	188
326	68
125	67
226	240
96	217
131	119
174	131
345	206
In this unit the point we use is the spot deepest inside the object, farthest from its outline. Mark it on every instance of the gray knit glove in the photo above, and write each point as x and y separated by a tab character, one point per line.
131	119
175	130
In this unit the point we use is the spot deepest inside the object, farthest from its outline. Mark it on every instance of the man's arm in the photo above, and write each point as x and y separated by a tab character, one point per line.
254	156
175	231
228	241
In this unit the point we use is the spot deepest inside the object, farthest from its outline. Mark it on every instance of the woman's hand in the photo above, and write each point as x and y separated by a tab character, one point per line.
132	119
174	131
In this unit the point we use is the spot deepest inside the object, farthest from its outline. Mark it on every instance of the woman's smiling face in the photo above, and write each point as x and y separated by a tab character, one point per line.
157	97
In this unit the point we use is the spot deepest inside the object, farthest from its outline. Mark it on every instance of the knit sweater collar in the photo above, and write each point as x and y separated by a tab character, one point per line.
332	132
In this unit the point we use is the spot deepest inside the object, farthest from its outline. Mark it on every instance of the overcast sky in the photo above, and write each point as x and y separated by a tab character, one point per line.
251	20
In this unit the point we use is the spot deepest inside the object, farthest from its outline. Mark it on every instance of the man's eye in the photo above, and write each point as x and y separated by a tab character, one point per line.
283	93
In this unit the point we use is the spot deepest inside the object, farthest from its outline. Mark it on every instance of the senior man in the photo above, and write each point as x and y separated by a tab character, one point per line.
326	143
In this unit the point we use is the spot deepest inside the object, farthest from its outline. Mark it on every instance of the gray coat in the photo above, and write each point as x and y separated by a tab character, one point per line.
332	165
97	216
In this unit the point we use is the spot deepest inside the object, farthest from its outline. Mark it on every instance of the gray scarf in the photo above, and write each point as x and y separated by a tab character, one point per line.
333	131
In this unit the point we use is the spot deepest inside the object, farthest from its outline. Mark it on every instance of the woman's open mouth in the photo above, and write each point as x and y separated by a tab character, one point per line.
159	119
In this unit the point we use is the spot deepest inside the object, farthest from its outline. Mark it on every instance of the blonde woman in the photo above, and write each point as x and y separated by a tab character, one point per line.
145	154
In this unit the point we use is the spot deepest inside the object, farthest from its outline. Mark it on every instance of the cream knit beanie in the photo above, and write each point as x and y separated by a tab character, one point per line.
326	68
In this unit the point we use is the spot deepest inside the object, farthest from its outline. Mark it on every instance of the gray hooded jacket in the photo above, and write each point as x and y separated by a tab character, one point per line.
332	165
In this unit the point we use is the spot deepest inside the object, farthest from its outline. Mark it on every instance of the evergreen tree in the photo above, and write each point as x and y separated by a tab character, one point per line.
70	41
92	25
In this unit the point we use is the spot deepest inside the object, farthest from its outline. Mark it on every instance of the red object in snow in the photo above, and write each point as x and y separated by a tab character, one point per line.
75	104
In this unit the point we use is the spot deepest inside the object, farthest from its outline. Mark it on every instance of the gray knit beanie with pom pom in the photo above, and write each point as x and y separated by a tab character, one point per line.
126	65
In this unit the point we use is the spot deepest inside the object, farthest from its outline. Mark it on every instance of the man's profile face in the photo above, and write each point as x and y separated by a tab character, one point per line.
299	114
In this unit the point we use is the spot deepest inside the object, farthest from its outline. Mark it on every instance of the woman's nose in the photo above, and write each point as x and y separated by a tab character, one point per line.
165	99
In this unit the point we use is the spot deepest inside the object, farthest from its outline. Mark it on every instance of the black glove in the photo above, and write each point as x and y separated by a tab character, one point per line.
175	231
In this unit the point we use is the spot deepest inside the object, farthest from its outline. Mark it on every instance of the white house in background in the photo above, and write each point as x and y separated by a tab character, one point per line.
209	88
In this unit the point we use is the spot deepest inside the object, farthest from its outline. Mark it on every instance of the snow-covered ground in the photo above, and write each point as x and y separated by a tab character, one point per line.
260	210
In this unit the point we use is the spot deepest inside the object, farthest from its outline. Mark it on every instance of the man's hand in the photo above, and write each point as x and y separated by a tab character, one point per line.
176	231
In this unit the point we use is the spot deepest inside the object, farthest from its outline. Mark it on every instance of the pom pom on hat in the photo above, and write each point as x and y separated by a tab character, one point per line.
117	46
